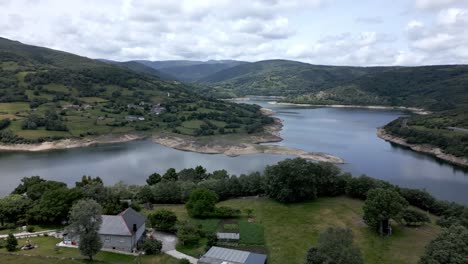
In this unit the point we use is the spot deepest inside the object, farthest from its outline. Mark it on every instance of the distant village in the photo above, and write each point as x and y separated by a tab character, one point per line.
155	109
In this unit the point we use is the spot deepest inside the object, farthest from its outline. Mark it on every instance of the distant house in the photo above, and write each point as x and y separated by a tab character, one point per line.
157	109
121	232
219	255
131	118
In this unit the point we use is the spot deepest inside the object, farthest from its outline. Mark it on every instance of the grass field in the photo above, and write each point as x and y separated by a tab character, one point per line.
290	230
46	247
13	107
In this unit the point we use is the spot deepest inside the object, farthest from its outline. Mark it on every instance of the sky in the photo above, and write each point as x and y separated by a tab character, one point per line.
331	32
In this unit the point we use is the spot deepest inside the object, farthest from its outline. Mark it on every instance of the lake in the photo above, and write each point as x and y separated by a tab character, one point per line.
347	133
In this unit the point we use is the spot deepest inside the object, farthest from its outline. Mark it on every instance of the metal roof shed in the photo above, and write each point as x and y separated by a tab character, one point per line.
218	255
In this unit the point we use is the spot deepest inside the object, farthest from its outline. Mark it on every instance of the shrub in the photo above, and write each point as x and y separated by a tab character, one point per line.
226	212
188	234
184	261
30	229
163	220
201	203
414	218
11	242
152	247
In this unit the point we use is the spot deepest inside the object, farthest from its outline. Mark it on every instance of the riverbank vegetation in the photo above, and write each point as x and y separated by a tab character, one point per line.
47	95
275	220
447	130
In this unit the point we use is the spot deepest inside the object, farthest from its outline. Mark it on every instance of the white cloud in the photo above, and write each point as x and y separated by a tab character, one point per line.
316	31
436	4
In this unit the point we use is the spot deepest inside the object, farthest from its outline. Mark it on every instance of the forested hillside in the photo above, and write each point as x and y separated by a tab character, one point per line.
191	71
47	94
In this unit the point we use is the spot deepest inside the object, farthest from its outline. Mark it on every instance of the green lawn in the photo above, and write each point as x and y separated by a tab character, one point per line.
46	247
13	107
252	234
290	230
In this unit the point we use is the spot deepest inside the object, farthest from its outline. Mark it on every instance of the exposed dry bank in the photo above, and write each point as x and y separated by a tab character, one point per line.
230	145
70	143
424	148
419	111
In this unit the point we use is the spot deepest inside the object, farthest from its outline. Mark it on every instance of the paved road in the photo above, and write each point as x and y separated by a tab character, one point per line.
169	242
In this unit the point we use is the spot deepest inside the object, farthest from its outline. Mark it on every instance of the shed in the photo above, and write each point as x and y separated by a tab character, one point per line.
219	255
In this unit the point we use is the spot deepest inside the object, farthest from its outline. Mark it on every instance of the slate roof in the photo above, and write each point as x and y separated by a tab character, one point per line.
121	224
219	255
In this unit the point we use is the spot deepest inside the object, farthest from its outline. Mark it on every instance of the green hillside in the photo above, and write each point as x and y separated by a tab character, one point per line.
191	71
47	94
431	87
283	78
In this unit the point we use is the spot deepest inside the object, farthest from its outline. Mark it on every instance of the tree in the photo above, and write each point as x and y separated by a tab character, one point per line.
163	220
152	247
13	208
170	175
26	183
414	218
153	179
291	180
335	245
54	205
188	234
382	205
450	247
85	221
11	242
167	192
201	203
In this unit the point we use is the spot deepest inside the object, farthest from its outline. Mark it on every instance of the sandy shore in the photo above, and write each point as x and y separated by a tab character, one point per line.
425	148
69	143
419	111
228	145
251	145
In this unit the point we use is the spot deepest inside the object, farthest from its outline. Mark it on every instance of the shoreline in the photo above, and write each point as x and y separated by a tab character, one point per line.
419	111
251	146
70	143
424	148
229	146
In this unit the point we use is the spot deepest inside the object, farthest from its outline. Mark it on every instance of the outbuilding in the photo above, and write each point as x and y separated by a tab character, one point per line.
219	255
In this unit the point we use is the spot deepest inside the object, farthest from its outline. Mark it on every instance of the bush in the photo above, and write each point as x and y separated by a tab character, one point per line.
184	261
201	203
188	234
414	218
30	229
163	220
11	242
152	247
226	212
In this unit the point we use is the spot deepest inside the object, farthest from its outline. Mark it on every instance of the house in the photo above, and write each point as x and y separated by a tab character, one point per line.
157	109
131	118
219	255
122	232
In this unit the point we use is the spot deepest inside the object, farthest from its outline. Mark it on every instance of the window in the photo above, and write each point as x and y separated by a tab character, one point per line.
107	239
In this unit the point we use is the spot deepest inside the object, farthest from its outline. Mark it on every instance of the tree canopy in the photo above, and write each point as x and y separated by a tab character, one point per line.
85	221
335	245
382	205
450	247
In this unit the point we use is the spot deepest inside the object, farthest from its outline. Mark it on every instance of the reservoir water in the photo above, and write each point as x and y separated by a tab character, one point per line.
347	133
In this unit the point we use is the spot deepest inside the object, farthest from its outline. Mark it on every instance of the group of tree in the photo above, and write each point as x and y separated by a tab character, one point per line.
37	200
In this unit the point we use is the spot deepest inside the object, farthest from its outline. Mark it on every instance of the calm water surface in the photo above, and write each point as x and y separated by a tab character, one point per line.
347	133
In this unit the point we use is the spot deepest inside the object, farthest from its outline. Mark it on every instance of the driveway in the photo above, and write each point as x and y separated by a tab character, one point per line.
169	242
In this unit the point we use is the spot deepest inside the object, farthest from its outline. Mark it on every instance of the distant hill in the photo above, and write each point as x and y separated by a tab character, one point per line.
191	71
47	94
141	68
433	87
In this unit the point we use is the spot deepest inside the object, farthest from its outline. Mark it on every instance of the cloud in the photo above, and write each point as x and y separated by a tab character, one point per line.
316	31
442	42
436	4
364	48
369	20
